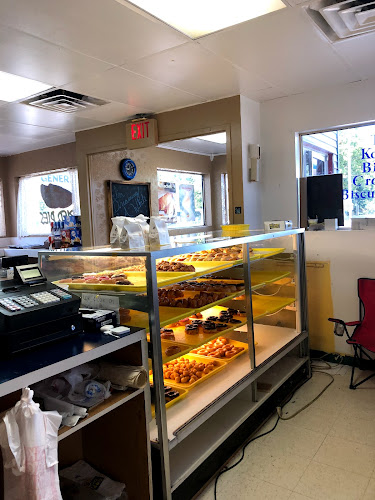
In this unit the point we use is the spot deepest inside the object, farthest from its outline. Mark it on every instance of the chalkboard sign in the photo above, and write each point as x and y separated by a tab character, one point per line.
129	198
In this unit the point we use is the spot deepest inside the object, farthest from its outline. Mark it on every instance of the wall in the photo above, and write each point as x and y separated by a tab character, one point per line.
250	131
105	166
216	116
351	255
282	118
28	163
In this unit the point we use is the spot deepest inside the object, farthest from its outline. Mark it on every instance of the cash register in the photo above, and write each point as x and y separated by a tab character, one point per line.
34	311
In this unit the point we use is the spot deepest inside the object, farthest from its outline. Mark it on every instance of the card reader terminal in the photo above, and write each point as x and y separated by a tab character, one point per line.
34	311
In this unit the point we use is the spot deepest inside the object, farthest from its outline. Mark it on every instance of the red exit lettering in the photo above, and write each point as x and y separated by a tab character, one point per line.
139	130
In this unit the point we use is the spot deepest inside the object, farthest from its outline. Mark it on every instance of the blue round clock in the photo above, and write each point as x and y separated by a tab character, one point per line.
128	169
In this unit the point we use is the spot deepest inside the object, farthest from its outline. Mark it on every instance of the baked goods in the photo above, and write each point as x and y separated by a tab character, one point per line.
216	254
172	350
125	315
209	286
178	267
103	278
167	334
191	329
175	298
186	371
218	348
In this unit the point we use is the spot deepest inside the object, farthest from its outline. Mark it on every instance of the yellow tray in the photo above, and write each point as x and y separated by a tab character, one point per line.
226	360
203	267
192	293
262	278
263	305
183	394
263	253
138	278
168	343
219	366
202	338
167	315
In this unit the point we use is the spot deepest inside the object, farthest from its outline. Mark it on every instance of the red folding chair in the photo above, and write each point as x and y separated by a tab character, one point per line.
363	336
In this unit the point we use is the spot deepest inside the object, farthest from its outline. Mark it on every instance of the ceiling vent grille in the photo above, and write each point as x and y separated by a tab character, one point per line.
340	19
63	101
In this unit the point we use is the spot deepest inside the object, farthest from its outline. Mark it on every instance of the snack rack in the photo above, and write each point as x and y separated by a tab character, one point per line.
274	329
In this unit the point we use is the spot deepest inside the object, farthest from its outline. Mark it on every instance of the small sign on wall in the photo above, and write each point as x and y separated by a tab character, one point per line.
142	133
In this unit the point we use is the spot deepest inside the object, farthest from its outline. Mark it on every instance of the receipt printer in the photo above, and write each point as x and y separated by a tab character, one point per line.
34	311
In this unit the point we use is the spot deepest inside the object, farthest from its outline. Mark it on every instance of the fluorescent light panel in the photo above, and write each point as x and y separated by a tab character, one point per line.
13	87
220	138
197	18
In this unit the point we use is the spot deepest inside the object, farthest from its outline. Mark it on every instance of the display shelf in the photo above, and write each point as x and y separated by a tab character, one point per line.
264	305
206	399
114	401
262	278
33	366
199	445
199	399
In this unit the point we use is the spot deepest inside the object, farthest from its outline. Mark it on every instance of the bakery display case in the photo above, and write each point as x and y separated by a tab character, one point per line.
225	316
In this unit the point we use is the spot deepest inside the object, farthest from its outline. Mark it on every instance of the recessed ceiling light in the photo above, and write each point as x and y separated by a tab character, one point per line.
13	87
220	138
197	18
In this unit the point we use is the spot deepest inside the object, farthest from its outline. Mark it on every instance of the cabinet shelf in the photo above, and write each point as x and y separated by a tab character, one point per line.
114	401
264	305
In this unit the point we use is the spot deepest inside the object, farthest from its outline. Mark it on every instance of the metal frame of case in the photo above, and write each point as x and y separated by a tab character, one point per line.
150	304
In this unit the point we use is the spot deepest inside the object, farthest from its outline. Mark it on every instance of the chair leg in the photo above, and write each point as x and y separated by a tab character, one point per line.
352	386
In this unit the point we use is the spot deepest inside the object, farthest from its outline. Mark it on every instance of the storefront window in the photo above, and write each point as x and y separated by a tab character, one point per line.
351	152
46	198
180	196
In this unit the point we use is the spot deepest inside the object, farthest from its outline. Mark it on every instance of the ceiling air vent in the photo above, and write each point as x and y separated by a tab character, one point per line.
340	19
63	101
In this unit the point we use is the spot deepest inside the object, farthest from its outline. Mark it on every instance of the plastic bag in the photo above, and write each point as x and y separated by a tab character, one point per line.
142	220
85	482
159	234
131	236
114	238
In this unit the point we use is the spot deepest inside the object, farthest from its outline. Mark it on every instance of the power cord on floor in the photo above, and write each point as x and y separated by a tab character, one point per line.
316	369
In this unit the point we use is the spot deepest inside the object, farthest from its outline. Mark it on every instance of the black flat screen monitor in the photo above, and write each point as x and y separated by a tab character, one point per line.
324	198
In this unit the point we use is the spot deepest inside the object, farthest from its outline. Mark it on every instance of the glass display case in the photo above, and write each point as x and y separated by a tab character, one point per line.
225	315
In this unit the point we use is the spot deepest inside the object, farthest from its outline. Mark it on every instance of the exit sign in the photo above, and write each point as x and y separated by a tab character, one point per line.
141	133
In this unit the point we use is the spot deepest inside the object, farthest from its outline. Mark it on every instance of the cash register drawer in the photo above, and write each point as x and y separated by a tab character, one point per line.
46	332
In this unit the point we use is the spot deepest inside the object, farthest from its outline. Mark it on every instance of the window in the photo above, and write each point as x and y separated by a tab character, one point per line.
180	196
351	152
44	198
2	212
224	199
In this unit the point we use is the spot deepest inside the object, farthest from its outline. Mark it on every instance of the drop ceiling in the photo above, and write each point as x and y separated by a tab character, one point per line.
109	51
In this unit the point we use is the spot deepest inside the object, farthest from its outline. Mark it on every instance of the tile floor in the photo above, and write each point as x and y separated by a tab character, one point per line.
327	452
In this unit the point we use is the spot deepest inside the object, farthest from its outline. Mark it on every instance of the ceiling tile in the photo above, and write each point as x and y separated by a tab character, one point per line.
126	87
267	94
29	115
110	113
27	56
26	131
104	29
359	51
11	145
284	49
192	68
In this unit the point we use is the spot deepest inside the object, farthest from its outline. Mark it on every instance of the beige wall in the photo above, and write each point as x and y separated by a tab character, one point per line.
28	163
105	166
216	116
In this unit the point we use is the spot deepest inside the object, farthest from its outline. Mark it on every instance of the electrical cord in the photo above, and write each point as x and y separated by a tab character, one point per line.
279	417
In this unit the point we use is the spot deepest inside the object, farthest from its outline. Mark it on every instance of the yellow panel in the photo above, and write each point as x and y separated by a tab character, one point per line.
320	306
